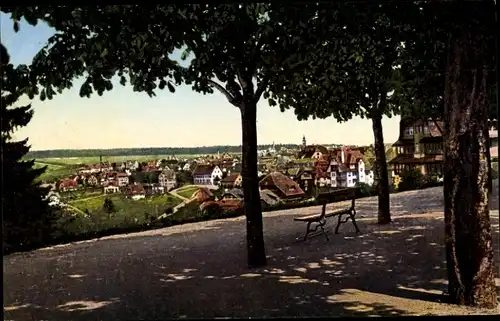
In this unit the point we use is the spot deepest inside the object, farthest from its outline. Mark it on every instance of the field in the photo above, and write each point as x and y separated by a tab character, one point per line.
187	192
54	171
150	204
112	159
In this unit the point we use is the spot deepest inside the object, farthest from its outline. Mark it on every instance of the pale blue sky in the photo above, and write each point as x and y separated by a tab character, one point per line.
123	118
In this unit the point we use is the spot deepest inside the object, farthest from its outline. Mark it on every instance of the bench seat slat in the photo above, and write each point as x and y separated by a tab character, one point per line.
339	212
311	217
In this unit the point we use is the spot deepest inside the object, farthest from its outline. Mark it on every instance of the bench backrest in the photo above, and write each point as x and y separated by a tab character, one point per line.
345	194
340	195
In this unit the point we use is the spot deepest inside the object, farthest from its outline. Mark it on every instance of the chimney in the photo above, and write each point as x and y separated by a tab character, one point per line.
342	154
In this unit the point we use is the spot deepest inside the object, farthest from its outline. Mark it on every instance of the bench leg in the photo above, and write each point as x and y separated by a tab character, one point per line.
308	230
323	230
320	224
338	224
352	214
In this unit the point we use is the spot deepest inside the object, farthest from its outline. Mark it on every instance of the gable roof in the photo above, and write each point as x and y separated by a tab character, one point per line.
204	169
231	178
286	185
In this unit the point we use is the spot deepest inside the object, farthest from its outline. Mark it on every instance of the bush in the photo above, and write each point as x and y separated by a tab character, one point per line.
211	210
365	190
108	206
410	180
430	181
494	168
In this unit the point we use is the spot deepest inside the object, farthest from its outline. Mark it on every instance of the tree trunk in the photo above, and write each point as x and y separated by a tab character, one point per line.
381	173
488	159
251	195
469	248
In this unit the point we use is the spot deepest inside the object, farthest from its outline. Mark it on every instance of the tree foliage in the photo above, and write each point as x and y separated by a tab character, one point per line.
239	50
428	29
28	220
108	206
349	69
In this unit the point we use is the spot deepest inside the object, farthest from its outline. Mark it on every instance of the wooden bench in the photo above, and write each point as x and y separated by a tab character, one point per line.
347	194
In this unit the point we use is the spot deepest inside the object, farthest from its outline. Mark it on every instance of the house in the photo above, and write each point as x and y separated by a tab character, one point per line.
111	187
234	193
206	174
282	186
67	184
268	198
122	179
322	179
50	187
187	166
92	180
167	179
232	180
321	170
54	198
313	151
305	178
153	189
203	194
134	165
135	191
369	177
419	147
493	143
347	167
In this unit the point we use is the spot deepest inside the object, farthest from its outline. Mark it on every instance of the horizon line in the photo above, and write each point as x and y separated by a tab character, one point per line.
166	147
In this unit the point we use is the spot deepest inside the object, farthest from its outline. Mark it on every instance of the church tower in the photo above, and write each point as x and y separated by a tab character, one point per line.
304	143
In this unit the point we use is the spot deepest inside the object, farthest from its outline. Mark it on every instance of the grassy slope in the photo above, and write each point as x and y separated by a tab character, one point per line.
121	203
187	192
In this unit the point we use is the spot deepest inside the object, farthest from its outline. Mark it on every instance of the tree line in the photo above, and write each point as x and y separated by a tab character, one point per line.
204	150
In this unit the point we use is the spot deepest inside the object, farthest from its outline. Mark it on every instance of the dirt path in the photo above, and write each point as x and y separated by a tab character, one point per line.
199	270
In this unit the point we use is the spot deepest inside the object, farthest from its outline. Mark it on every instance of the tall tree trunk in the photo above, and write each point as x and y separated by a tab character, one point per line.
381	173
469	248
251	195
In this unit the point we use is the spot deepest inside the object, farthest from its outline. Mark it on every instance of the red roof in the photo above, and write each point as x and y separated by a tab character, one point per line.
135	189
286	185
68	183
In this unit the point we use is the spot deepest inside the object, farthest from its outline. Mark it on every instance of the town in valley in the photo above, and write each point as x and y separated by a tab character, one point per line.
285	174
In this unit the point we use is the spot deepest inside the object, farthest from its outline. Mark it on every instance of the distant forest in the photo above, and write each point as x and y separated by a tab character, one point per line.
156	151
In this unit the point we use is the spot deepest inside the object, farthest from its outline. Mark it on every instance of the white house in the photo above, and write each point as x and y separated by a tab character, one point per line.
369	177
111	188
54	198
167	179
347	168
122	179
206	174
186	167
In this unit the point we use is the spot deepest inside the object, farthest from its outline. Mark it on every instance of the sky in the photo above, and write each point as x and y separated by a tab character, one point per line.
122	118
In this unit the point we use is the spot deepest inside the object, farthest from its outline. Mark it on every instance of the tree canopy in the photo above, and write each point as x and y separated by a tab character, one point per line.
242	51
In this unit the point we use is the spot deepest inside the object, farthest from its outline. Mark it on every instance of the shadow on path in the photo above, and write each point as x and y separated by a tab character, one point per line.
391	270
